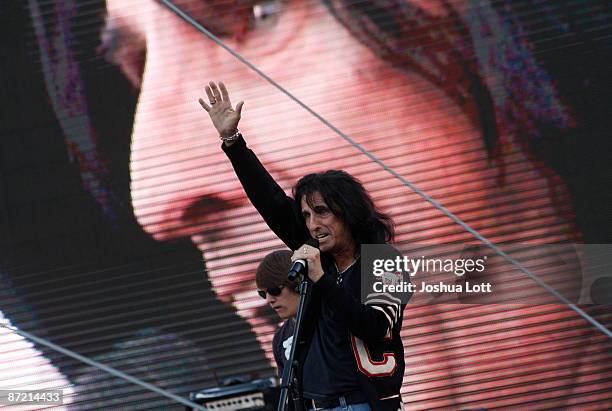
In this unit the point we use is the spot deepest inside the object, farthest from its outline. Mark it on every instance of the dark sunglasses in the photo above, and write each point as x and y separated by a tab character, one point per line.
274	291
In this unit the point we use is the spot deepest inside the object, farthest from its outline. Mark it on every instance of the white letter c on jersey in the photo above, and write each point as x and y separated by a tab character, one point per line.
367	365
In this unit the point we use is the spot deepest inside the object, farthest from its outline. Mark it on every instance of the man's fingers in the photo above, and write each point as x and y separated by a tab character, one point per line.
224	93
209	93
204	105
239	107
215	91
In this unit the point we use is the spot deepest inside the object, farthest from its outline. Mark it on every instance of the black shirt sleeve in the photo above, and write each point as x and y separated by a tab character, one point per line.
278	353
280	343
371	320
364	321
278	210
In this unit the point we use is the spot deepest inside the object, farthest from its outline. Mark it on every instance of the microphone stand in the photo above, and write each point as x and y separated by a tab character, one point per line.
290	382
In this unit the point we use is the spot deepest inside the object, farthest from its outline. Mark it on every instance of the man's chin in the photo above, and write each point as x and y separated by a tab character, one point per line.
325	247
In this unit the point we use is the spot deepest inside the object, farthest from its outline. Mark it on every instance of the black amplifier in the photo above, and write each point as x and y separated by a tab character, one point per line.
256	395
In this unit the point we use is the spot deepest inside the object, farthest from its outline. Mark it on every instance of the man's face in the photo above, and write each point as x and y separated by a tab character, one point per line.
332	232
285	304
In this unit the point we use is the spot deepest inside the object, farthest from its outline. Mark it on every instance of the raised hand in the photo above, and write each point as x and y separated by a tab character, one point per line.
224	117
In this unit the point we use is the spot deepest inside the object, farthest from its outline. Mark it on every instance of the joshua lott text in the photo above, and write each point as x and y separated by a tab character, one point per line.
406	287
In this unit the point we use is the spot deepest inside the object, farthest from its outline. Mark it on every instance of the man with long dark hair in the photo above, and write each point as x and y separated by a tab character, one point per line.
354	353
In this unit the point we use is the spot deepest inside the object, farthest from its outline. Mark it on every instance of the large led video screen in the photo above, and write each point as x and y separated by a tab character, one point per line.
127	237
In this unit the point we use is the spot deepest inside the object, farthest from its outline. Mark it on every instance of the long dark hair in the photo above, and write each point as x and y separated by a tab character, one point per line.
348	200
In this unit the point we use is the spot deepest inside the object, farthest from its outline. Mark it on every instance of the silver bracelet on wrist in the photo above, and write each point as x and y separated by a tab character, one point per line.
231	138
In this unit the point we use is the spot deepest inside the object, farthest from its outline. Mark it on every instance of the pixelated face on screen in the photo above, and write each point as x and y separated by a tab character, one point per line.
425	115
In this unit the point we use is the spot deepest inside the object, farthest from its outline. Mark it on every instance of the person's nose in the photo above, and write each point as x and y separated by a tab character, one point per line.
314	223
270	298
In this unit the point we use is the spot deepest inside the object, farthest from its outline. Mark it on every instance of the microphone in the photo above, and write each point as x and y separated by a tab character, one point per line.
299	266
